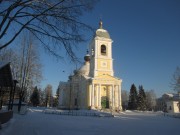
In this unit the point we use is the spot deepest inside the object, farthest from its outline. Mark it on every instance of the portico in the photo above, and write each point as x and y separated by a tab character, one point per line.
105	90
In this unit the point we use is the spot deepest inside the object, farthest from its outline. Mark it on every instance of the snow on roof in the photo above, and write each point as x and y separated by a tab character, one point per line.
168	94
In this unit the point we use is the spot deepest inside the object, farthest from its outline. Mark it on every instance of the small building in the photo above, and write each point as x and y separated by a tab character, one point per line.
172	107
169	103
7	84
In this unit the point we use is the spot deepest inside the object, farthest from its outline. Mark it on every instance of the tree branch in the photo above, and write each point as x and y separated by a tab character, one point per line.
57	20
24	26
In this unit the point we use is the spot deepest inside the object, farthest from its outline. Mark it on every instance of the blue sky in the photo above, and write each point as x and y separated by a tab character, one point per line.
146	47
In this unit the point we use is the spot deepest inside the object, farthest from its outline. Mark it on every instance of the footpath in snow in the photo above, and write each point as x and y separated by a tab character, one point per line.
37	122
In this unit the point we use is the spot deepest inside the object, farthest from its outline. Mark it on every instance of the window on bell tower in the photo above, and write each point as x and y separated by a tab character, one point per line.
103	50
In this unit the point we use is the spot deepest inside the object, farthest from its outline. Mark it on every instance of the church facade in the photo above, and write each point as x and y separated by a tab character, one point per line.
93	86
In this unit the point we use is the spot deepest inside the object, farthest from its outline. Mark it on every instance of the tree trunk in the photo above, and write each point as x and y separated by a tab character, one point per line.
21	95
19	105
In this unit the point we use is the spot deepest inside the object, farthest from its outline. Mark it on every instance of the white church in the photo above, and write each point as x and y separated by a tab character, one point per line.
93	86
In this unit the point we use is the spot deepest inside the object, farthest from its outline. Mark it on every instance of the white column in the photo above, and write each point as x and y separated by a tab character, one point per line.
120	103
96	96
113	96
119	98
118	95
95	101
92	96
110	95
99	96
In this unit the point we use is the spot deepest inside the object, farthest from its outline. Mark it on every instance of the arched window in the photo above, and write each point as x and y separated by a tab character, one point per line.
103	49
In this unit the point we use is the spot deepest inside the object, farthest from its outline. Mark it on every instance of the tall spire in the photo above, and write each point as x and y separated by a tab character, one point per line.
100	24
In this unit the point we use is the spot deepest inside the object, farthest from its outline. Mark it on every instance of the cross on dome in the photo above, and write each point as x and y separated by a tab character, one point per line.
100	24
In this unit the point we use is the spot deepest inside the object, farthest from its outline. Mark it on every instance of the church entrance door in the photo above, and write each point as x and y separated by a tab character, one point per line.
105	102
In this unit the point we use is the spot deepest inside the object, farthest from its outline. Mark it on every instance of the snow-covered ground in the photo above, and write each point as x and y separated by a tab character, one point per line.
36	122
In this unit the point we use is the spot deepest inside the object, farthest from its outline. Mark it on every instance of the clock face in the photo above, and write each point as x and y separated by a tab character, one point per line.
103	64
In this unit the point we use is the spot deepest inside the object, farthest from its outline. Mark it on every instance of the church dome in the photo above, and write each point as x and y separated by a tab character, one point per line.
70	77
84	70
102	32
75	72
87	57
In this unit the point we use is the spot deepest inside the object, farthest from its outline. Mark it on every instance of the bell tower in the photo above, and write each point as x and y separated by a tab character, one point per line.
101	53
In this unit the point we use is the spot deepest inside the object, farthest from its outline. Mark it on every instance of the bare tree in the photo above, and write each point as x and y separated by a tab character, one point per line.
150	100
48	95
42	97
8	55
29	70
125	99
53	20
176	80
26	65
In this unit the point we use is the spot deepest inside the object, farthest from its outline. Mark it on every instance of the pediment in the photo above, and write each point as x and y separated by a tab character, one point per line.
106	77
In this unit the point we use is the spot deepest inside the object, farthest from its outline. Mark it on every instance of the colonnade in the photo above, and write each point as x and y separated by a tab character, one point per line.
114	95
